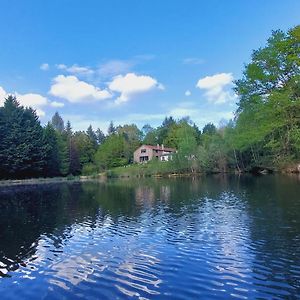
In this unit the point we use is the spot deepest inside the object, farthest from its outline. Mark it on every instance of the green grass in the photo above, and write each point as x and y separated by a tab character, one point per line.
153	168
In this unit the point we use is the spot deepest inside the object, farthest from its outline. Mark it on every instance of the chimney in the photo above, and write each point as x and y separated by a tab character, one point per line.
157	145
162	146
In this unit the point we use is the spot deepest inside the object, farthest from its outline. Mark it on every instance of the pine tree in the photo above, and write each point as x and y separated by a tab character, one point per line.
52	167
73	157
22	146
100	136
68	129
63	151
57	122
92	136
111	128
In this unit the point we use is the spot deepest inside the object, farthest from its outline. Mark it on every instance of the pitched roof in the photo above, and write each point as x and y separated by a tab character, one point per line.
159	148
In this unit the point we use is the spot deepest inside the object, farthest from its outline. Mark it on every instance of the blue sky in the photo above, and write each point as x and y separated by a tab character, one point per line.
132	61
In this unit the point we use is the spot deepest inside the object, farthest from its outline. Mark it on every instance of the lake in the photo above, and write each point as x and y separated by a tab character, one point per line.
213	237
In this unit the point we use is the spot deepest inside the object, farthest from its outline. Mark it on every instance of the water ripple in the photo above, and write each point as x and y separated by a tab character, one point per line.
164	245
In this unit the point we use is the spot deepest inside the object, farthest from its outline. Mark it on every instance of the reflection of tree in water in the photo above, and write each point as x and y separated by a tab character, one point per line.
27	212
274	209
183	207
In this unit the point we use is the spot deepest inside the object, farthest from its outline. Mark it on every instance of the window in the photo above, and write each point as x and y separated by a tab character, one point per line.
143	150
144	158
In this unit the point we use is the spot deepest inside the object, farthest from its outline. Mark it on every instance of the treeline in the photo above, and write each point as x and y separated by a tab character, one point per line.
265	132
29	150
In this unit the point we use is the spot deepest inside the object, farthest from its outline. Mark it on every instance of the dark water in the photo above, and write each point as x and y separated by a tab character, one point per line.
207	238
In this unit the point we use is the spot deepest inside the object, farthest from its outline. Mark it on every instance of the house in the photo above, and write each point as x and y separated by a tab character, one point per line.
147	152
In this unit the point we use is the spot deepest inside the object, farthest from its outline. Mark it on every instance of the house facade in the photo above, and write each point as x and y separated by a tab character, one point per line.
147	152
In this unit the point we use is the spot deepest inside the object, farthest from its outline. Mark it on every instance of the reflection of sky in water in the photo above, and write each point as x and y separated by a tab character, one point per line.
183	240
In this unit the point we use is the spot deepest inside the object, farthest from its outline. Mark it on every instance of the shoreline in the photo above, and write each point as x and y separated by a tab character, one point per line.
105	175
46	180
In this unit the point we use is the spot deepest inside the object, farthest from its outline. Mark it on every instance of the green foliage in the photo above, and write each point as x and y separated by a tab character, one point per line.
209	129
63	153
265	131
111	153
22	148
100	136
58	123
52	164
267	122
92	136
85	147
111	128
89	169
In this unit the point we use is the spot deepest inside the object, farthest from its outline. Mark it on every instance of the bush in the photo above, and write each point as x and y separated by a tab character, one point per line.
89	169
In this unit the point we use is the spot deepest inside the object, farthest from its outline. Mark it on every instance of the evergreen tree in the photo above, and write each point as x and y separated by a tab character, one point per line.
100	136
85	148
63	151
73	155
162	131
52	155
209	128
111	128
68	129
22	152
57	122
3	131
92	136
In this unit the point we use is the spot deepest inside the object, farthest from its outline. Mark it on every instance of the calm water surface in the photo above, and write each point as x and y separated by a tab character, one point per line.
207	238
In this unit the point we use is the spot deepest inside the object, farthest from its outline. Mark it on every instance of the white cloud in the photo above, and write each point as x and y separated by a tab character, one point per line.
217	87
36	101
199	115
193	61
32	100
40	113
61	66
139	117
131	84
82	122
114	67
75	69
188	93
76	91
3	94
44	67
57	104
180	112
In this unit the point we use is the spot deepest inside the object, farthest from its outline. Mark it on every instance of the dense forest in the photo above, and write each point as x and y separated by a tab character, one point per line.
265	132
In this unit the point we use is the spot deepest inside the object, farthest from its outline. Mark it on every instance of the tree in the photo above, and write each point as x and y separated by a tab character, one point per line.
85	148
52	155
100	136
132	139
209	128
111	128
92	136
68	129
57	122
22	150
162	131
63	151
267	121
146	129
111	153
149	135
